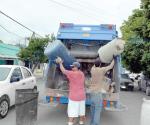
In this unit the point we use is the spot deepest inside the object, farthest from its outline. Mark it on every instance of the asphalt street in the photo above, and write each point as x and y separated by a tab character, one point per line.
57	115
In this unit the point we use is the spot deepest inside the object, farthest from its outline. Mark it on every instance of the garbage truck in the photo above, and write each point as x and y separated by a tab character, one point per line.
82	43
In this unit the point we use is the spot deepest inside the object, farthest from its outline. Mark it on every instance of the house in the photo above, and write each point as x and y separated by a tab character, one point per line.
8	54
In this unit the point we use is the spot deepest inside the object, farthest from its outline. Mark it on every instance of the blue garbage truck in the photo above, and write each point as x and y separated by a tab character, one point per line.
81	43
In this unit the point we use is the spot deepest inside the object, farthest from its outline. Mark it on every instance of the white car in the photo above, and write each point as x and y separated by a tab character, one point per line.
13	77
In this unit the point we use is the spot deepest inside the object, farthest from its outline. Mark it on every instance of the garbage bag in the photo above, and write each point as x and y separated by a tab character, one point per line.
113	48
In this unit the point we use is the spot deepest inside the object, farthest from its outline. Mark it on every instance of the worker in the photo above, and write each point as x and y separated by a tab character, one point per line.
97	82
76	104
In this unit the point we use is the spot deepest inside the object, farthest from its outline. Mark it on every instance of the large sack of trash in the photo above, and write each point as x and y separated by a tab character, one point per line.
113	48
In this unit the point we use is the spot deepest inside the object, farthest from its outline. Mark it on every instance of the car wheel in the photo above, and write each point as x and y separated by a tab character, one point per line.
148	91
4	107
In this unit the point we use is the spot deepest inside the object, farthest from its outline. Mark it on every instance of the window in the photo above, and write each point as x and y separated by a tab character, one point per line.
125	76
4	73
17	73
26	73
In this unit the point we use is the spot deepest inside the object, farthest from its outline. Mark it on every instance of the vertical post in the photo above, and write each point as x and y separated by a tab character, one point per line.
117	73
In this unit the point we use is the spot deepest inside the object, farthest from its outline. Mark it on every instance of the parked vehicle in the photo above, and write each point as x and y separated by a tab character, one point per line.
126	83
13	77
144	84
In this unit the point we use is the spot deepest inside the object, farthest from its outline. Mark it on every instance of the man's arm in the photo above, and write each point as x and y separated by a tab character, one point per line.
107	68
62	68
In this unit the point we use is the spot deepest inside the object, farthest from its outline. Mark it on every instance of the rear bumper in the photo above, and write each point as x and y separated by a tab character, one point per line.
64	100
126	87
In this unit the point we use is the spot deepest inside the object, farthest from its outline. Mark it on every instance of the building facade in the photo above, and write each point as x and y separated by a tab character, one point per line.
8	54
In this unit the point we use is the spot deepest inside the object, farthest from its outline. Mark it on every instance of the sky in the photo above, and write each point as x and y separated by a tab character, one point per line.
44	16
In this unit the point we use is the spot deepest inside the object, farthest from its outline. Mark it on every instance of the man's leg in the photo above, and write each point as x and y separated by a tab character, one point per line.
71	121
95	108
82	120
92	113
82	112
97	116
72	111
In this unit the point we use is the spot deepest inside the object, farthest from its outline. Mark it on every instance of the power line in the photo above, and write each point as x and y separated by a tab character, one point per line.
72	9
95	7
19	23
11	32
94	12
88	9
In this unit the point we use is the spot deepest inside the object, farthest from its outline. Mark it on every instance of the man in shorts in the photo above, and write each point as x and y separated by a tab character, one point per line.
76	104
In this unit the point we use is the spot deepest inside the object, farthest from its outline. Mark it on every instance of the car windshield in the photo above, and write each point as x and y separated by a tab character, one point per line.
4	71
125	76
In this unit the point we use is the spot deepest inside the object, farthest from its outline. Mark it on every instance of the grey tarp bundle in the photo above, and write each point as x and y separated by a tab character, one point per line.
58	49
54	78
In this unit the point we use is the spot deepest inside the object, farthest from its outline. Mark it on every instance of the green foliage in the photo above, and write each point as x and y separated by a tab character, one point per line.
133	27
145	6
136	56
35	50
146	59
132	55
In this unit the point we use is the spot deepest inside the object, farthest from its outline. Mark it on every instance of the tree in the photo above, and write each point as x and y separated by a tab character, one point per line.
35	51
136	30
145	61
133	26
132	55
138	24
145	6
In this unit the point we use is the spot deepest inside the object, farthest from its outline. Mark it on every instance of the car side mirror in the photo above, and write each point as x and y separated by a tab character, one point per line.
14	79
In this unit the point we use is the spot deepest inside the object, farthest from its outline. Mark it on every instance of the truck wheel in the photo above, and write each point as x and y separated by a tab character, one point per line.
148	91
4	107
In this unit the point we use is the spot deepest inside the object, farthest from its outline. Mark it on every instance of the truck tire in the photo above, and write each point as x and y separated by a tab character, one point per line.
148	91
4	106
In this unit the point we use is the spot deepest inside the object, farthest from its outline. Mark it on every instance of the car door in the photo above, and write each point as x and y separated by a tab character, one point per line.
28	78
16	82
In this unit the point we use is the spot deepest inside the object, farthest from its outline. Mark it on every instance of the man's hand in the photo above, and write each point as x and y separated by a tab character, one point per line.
58	60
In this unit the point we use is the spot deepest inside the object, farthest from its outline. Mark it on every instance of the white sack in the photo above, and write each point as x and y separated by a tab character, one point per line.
106	52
